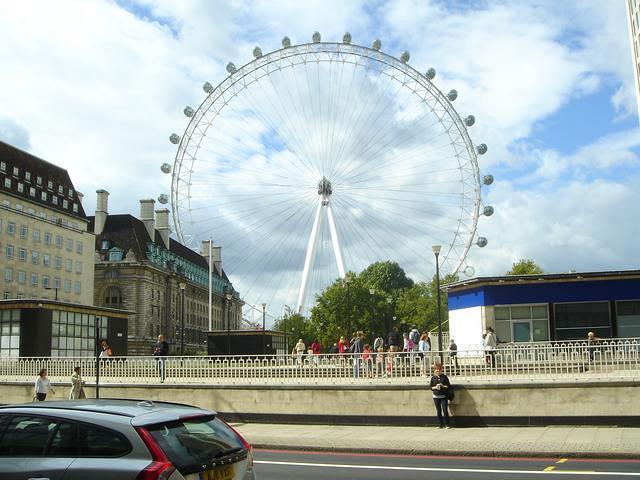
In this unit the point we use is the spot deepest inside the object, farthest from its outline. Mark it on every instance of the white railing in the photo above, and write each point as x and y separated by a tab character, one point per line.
619	359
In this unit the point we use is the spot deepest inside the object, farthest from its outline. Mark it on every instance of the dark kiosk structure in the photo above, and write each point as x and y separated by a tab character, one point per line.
247	342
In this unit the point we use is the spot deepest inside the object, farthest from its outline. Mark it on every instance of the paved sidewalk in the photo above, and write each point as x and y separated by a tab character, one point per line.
599	442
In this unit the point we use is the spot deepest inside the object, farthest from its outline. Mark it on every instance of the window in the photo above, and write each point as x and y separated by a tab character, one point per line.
60	189
34	279
16	171
65	204
68	264
20	187
77	288
58	262
35	236
54	200
8	274
67	286
18	207
7	183
79	247
35	257
39	180
9	250
113	297
32	192
50	185
22	277
628	314
22	254
69	244
75	208
574	320
31	212
46	260
104	245
43	196
111	274
71	193
26	436
56	283
522	323
3	166
24	232
27	176
78	267
11	228
45	281
58	241
47	238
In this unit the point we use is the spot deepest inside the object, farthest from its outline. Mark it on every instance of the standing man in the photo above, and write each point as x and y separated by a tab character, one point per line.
490	346
395	339
161	351
357	348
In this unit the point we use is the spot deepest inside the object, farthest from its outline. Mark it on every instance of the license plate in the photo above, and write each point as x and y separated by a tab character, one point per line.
220	473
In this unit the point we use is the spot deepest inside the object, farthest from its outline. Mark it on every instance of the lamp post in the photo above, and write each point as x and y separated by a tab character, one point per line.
372	292
183	287
97	326
347	280
228	296
388	328
436	252
264	344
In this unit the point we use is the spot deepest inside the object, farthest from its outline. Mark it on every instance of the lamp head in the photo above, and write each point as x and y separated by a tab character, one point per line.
436	249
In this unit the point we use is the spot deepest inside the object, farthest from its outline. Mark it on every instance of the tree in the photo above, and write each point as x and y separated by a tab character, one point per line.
525	266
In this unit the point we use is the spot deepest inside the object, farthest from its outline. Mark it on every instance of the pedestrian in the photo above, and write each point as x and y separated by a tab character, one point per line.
408	351
378	342
341	344
423	352
298	351
414	335
316	349
380	367
160	351
42	386
453	353
395	339
334	348
105	350
391	359
77	384
439	386
356	349
367	359
592	342
490	346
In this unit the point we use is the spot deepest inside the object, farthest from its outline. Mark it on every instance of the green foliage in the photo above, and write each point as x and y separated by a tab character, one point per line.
349	303
525	266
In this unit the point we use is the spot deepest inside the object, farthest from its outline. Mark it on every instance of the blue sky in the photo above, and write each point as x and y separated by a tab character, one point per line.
98	86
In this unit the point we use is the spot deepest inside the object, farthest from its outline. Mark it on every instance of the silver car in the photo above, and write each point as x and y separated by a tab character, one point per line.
120	440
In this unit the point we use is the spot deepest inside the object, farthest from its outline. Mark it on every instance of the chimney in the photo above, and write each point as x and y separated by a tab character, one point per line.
162	217
146	215
216	257
101	211
80	196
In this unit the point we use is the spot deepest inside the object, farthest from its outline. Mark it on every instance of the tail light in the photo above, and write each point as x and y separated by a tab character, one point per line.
160	468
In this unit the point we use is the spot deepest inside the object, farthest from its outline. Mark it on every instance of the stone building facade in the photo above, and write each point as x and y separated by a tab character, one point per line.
46	251
138	267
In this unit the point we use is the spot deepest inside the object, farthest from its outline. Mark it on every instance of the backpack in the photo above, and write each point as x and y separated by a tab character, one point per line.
414	336
379	342
451	394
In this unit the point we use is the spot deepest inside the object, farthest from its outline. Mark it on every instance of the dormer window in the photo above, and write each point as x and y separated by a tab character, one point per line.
43	195
54	200
60	189
39	180
20	187
27	176
71	193
7	183
32	191
75	208
16	171
3	166
65	204
50	185
104	245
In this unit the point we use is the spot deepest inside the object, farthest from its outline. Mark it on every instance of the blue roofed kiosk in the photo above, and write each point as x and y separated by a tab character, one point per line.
543	307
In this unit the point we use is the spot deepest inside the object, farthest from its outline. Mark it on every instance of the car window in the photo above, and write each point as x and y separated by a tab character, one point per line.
191	443
83	440
26	436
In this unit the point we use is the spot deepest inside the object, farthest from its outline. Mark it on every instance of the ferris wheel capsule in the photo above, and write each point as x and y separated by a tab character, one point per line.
174	138
404	58
188	111
163	198
231	68
469	271
452	95
481	149
482	242
165	168
286	42
470	120
377	44
316	37
257	52
487	211
487	179
207	87
430	74
346	38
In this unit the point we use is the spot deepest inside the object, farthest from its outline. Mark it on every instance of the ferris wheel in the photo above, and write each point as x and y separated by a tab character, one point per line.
322	158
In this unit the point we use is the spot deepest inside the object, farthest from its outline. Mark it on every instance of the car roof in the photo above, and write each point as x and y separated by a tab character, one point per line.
141	412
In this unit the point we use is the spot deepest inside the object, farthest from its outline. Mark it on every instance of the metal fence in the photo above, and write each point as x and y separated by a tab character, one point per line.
548	361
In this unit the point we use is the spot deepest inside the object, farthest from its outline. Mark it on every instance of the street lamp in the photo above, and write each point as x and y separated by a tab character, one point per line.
264	344
436	252
386	323
182	286
228	296
347	280
372	292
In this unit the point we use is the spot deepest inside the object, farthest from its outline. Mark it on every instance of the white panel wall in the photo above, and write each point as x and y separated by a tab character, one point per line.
466	327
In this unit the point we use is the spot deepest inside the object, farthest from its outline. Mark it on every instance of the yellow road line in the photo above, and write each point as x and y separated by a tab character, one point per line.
549	469
562	460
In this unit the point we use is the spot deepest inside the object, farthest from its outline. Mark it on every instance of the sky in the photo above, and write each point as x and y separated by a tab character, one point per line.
97	87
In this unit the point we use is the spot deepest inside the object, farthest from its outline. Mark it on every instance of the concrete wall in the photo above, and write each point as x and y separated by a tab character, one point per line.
496	404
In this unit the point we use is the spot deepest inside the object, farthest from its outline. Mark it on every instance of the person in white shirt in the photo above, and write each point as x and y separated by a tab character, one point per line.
43	386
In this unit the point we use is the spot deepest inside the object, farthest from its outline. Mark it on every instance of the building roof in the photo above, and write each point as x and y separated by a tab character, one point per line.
542	278
41	182
129	233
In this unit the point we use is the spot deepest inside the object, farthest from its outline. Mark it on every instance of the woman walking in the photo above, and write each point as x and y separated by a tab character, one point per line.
77	392
43	386
439	387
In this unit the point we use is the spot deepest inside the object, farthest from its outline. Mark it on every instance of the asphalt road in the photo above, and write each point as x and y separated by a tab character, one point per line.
279	464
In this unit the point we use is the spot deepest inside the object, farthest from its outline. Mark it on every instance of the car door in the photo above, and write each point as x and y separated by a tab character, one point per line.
23	442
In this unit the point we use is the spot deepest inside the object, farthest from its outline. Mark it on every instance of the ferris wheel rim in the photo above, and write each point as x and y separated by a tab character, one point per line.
318	48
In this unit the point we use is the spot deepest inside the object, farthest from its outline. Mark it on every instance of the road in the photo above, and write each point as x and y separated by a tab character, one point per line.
278	464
